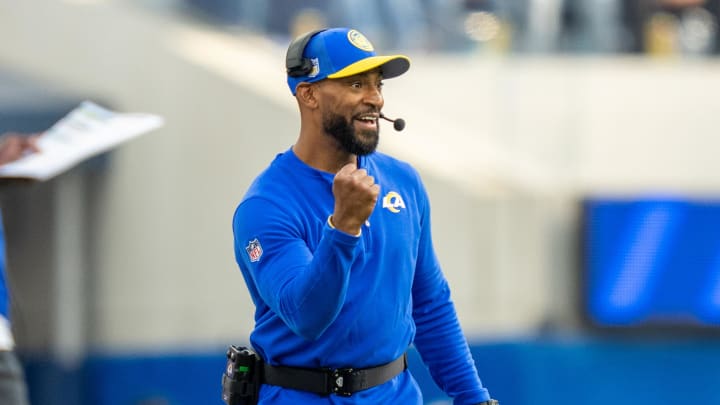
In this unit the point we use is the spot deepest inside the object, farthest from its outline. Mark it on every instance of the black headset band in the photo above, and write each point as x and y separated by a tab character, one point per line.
295	64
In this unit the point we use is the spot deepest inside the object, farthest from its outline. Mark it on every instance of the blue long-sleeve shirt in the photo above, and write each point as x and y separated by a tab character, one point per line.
328	299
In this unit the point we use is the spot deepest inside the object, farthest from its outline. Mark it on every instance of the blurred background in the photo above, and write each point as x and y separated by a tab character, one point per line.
569	149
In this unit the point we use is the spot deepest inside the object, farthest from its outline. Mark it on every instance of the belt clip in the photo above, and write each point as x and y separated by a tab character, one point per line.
340	381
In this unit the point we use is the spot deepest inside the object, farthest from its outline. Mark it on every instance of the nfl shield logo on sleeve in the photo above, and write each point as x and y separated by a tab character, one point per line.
254	250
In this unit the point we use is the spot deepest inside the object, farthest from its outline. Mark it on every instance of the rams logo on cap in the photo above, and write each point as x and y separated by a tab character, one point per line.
393	202
359	40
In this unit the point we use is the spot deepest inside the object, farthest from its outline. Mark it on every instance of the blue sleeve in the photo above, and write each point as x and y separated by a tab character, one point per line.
4	295
305	289
439	338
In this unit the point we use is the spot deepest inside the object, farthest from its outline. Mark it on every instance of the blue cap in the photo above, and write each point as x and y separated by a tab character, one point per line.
337	52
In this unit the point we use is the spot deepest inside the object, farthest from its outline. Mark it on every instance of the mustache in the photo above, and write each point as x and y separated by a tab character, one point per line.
370	111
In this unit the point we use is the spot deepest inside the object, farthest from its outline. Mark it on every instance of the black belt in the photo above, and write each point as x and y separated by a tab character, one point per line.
341	381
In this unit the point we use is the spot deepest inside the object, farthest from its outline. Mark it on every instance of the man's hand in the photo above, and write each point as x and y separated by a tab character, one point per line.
355	197
13	146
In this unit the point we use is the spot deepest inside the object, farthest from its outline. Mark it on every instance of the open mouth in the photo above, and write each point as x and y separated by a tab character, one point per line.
368	121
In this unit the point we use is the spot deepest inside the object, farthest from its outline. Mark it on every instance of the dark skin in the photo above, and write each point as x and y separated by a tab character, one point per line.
13	146
331	111
358	100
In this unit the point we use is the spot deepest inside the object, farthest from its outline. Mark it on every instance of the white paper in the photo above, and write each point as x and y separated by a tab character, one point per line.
86	131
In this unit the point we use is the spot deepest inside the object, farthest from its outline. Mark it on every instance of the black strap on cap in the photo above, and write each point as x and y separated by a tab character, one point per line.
295	64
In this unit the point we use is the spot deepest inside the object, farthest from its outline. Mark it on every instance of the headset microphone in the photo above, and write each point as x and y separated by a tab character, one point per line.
398	123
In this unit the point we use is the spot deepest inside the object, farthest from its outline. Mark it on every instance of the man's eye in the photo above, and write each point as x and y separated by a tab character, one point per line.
356	85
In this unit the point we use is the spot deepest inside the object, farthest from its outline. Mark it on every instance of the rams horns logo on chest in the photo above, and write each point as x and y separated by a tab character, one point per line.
393	202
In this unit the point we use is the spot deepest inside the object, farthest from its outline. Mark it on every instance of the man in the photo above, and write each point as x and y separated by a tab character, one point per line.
333	240
12	384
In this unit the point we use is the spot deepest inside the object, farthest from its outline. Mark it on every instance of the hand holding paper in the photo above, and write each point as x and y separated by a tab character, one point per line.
86	131
14	146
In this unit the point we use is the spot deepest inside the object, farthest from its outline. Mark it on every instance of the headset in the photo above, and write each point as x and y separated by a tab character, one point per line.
295	64
298	66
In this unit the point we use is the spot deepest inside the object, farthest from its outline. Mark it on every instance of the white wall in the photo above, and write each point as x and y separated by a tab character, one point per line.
506	146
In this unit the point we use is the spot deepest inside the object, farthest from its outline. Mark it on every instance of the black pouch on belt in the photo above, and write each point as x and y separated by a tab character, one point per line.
242	377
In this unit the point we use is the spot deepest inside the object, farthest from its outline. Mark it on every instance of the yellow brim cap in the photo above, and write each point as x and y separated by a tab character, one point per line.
391	66
338	52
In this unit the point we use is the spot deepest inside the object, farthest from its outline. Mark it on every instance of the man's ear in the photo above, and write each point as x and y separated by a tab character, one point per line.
307	95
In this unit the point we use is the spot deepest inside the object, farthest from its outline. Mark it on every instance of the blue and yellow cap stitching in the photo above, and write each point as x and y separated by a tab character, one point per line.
343	52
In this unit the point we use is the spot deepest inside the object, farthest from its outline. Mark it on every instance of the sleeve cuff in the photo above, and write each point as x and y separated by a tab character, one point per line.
332	226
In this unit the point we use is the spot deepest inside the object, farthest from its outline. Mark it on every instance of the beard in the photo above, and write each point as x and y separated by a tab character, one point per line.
360	144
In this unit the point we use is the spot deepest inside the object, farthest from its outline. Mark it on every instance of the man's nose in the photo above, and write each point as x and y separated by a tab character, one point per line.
374	97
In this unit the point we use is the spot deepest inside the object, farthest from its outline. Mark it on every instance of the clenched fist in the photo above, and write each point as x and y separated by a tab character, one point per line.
355	196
